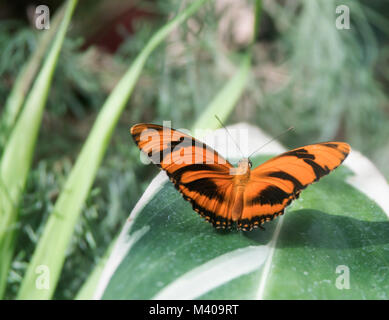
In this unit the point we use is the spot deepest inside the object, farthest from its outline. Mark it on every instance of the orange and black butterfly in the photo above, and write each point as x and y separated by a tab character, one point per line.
225	195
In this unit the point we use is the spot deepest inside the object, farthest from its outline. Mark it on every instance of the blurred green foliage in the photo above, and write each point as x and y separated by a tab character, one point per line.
327	83
332	90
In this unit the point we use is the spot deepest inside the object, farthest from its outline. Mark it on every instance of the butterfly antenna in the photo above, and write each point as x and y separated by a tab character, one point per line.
217	118
271	140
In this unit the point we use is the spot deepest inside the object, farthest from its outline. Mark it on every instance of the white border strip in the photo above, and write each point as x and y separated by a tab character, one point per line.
214	273
368	179
124	241
122	246
268	265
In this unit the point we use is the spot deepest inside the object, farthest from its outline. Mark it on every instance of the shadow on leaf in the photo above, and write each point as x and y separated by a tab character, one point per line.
314	228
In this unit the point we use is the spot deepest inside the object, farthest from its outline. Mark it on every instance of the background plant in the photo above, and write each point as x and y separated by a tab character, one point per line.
343	97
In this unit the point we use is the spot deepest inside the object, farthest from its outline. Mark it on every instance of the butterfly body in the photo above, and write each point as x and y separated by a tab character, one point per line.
241	176
226	195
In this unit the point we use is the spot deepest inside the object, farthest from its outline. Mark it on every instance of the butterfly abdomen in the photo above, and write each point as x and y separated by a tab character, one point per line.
241	177
237	207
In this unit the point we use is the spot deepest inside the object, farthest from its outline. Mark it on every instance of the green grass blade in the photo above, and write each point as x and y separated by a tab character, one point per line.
52	245
16	160
24	79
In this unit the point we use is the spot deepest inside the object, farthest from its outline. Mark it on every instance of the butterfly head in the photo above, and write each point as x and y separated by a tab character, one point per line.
245	164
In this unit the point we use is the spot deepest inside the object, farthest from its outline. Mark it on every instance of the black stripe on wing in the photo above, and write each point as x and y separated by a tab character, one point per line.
204	187
271	195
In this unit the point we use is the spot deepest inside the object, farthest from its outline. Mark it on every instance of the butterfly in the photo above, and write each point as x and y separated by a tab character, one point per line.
228	196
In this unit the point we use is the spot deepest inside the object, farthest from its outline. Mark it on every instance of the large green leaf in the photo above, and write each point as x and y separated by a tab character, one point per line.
166	251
